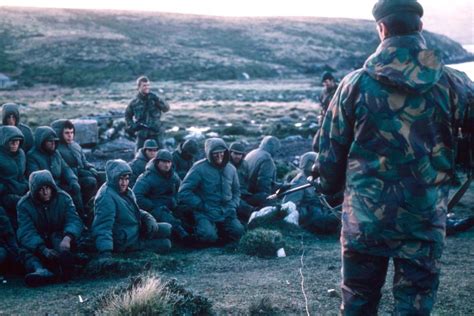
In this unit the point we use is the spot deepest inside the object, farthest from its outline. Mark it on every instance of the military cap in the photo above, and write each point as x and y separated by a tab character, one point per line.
237	147
327	75
383	8
150	144
164	155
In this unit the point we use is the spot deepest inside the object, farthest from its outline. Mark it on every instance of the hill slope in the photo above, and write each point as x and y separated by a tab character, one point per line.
81	47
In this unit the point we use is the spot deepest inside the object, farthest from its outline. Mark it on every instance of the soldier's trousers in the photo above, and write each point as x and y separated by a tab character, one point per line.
415	284
209	232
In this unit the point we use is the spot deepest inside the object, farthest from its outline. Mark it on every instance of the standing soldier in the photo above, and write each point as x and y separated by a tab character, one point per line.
11	116
143	114
388	139
329	89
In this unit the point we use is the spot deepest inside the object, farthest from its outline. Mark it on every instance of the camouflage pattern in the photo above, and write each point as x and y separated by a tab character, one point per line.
325	98
146	109
414	286
387	138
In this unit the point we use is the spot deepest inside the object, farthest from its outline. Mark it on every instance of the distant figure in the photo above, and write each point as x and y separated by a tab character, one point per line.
143	114
388	140
211	190
184	157
48	227
237	155
142	157
45	156
313	216
329	89
11	116
74	156
13	183
262	171
157	191
119	224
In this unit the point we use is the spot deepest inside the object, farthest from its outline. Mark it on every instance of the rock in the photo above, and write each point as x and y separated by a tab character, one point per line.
293	138
86	132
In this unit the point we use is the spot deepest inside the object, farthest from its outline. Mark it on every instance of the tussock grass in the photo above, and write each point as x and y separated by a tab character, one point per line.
262	307
261	242
147	297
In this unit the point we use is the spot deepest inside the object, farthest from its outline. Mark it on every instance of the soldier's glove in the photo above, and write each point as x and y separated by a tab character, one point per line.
49	253
65	244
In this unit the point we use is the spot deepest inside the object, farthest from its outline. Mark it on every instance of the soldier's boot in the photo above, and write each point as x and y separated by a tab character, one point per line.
40	276
66	263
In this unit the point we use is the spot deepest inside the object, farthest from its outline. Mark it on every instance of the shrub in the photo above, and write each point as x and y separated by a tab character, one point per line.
261	242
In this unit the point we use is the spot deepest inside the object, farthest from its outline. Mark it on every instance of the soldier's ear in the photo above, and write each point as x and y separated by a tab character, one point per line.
382	31
421	26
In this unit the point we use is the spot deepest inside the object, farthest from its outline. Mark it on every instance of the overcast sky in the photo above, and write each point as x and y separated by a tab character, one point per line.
440	15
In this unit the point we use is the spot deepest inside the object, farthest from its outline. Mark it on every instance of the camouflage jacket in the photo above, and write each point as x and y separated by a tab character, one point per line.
388	140
325	97
146	109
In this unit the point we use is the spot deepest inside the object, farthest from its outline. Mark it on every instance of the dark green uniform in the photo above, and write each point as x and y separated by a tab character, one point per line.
213	193
119	225
388	140
75	158
12	108
9	252
138	165
262	170
40	159
157	193
143	115
43	225
12	171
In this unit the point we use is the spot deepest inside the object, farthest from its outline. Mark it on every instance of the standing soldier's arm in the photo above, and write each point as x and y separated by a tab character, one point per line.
162	104
336	137
129	116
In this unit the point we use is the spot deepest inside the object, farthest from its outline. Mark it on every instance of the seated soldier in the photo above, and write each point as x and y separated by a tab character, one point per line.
211	191
156	191
74	156
45	156
11	116
262	171
184	157
119	224
313	216
12	170
237	154
142	157
48	227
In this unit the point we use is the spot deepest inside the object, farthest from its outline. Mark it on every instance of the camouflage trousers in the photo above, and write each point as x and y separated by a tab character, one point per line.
415	284
143	136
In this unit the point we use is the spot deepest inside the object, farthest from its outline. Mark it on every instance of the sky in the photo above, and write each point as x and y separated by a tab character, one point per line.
447	17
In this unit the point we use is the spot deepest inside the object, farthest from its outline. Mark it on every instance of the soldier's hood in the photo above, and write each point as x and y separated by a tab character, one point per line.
270	144
405	62
307	160
114	169
9	109
216	144
7	133
40	178
43	133
58	127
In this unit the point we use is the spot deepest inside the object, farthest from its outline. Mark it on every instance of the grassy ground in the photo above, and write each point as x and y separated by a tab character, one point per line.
235	283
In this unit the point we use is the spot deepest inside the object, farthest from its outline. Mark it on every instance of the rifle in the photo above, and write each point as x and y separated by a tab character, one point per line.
281	192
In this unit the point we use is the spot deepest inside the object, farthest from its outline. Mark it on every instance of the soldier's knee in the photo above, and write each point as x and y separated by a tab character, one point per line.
236	230
206	235
164	230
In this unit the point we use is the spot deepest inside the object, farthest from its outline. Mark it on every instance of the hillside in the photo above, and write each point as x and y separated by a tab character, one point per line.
80	47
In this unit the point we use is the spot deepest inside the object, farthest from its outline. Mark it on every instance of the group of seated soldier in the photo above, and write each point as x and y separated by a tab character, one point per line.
45	191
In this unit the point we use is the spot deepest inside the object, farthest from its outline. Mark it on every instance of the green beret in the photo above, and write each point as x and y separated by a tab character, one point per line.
164	155
384	8
237	148
150	144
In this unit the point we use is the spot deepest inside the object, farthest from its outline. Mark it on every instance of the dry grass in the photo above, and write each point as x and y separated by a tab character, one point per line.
148	297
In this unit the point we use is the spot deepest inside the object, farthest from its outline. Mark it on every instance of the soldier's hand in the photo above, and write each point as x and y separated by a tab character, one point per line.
315	171
50	254
65	244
